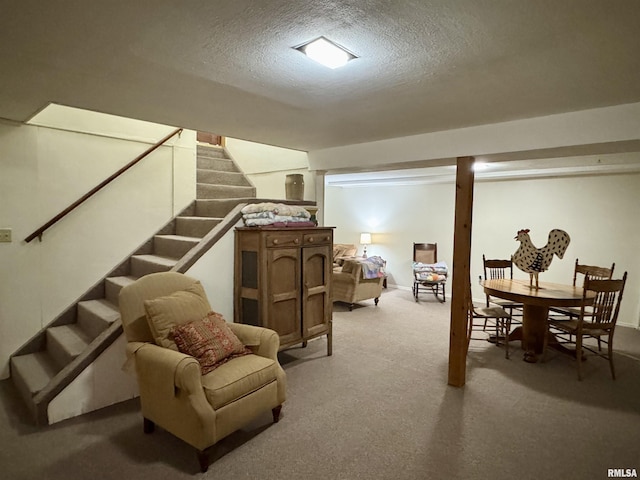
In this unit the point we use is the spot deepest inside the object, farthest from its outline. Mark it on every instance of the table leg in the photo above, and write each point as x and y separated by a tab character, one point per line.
534	329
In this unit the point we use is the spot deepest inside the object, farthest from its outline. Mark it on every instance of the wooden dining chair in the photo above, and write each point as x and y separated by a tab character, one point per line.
596	321
581	272
477	321
499	269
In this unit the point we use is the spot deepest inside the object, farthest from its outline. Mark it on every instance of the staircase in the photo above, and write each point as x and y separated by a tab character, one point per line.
57	354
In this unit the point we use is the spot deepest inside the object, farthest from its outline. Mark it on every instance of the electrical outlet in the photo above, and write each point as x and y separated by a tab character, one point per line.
5	235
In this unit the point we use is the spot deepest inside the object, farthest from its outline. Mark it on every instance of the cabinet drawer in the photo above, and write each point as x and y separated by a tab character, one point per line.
282	240
317	238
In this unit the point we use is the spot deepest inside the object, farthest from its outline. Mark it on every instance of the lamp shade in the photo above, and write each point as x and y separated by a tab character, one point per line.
365	239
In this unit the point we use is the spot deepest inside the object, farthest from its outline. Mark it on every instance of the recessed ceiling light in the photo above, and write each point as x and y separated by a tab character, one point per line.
326	52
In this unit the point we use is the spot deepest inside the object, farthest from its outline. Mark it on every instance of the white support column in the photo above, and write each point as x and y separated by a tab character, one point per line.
320	188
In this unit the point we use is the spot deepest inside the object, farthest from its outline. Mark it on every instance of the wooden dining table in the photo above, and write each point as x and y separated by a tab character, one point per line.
536	303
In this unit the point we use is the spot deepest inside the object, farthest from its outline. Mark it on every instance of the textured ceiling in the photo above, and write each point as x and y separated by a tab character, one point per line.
228	66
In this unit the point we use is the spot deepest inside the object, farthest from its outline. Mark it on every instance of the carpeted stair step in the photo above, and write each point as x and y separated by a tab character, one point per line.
217	177
95	316
32	372
196	227
113	285
211	151
205	190
217	207
66	342
173	246
219	164
144	264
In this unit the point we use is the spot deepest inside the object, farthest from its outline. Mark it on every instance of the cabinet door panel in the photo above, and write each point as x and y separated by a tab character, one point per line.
316	271
283	293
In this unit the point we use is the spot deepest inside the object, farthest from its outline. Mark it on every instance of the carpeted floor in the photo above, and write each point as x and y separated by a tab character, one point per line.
379	408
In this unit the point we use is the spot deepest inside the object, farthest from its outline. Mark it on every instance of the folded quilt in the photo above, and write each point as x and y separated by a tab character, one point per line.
275	214
372	267
430	277
279	222
439	268
255	222
275	209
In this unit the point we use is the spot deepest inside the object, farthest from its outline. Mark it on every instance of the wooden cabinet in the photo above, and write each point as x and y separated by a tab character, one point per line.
283	281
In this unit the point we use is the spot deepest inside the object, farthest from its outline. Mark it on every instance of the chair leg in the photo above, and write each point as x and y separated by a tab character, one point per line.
610	351
376	300
276	413
507	328
203	460
579	355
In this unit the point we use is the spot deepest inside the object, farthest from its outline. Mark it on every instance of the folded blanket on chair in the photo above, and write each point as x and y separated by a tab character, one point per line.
372	267
440	268
430	277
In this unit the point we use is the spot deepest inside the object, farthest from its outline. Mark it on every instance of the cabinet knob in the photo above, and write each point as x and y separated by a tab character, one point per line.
310	239
275	241
296	241
327	238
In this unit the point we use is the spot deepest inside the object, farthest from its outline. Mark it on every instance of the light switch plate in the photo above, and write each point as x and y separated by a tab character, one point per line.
5	235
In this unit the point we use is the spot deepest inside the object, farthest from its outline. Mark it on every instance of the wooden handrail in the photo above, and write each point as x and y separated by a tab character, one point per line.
38	233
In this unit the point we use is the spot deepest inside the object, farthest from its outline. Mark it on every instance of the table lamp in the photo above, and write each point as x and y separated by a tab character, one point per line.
365	239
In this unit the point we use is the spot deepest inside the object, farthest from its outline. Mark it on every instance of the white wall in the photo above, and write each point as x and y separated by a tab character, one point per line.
598	212
267	167
215	270
43	171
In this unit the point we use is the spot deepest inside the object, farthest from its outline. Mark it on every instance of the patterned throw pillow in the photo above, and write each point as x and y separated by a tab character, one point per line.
209	340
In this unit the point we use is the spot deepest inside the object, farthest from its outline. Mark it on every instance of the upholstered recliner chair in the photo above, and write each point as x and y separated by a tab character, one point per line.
342	251
174	393
350	286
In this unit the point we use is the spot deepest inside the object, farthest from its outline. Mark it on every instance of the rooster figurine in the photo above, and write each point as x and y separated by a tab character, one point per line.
534	260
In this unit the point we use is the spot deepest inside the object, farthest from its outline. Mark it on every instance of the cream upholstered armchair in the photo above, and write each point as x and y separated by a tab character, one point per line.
342	251
198	408
350	286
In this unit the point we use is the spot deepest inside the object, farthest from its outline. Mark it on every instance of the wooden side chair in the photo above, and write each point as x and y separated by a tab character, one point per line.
477	320
581	272
500	269
427	253
596	321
